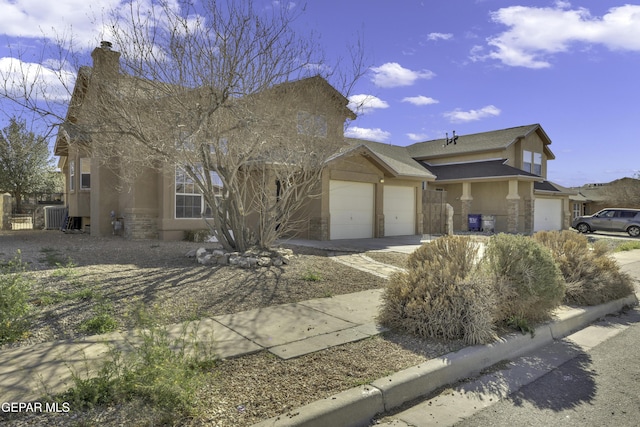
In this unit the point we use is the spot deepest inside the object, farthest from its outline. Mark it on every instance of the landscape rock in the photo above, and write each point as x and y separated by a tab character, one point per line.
251	258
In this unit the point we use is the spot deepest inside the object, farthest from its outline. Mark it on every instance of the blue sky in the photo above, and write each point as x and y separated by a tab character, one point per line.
464	65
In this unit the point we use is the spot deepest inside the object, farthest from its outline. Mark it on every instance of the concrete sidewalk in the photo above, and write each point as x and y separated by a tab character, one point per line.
289	330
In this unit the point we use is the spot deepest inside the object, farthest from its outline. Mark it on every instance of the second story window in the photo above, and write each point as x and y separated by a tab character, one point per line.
537	164
312	124
85	174
72	175
532	162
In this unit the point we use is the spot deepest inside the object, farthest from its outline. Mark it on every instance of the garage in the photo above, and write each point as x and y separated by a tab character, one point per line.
399	211
351	207
547	215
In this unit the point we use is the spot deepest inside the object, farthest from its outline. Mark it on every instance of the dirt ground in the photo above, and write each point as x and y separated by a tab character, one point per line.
75	273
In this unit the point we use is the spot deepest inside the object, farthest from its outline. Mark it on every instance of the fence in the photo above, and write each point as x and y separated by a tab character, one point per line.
434	210
22	221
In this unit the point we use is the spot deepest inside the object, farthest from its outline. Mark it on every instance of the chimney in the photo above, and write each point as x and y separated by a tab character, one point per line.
106	62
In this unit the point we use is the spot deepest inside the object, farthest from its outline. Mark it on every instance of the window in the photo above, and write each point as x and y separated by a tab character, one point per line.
189	200
532	162
537	164
526	160
627	214
312	124
72	175
223	146
85	174
577	209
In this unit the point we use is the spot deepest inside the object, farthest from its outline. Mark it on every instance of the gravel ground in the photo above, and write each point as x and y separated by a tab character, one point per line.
75	273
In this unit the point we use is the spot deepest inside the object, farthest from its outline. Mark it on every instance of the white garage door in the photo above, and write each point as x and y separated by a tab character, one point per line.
399	211
547	215
351	208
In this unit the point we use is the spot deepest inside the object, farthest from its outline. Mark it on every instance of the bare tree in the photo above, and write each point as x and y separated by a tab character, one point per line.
227	95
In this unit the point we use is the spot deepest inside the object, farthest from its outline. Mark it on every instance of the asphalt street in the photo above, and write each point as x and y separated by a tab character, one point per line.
598	387
590	378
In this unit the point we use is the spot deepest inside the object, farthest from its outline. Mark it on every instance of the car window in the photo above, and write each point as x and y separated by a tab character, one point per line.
606	214
627	214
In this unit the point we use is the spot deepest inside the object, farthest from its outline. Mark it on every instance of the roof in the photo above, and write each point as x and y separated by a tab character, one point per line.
394	159
477	142
477	170
551	187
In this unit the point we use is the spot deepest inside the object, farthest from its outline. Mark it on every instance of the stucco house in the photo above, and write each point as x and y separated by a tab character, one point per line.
501	173
356	184
367	189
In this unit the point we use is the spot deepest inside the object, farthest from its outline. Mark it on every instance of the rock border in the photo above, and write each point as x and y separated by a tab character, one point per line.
252	258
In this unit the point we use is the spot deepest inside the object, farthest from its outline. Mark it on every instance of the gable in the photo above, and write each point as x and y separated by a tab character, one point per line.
474	146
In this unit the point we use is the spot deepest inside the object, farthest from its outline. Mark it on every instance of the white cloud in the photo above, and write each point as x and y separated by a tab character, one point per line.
420	100
375	134
52	20
393	74
536	33
458	116
363	104
418	136
35	80
439	36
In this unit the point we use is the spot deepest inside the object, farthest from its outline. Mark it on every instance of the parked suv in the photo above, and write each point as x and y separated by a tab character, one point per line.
610	219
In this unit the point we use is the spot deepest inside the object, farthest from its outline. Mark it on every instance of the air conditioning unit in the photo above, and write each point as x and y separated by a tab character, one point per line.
54	217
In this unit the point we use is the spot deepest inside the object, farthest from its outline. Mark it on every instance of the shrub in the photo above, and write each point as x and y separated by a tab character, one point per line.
198	236
102	321
592	276
440	296
627	246
526	278
14	300
161	373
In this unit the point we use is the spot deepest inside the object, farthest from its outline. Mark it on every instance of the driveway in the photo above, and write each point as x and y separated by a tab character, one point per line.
403	244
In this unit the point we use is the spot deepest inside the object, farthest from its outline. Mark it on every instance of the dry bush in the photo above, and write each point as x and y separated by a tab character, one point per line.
527	281
592	276
441	296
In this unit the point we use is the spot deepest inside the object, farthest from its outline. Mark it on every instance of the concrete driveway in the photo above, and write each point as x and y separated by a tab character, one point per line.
404	244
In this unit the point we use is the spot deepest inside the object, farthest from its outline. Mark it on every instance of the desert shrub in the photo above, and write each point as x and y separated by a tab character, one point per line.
527	281
197	236
592	276
441	296
102	321
160	373
627	246
14	300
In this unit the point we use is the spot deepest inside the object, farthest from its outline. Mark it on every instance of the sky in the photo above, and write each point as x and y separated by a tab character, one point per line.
436	66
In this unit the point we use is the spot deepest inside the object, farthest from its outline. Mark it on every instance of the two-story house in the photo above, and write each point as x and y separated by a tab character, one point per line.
501	174
361	192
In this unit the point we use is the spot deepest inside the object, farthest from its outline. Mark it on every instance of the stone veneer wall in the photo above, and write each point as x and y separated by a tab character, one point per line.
513	213
529	211
319	228
5	212
140	226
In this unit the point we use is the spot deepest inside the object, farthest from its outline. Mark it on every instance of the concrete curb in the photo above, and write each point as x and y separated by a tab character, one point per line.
359	405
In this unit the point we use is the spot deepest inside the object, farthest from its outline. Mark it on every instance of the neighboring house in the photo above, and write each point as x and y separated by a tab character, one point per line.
591	198
501	174
367	189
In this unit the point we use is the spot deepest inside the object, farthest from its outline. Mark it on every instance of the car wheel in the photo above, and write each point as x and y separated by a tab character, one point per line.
583	228
634	231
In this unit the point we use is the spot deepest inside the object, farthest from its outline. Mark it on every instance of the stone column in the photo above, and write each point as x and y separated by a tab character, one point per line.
513	207
5	211
466	201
